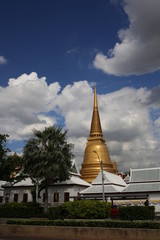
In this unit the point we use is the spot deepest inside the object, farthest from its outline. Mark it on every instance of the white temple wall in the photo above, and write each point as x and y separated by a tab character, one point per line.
8	193
70	190
154	199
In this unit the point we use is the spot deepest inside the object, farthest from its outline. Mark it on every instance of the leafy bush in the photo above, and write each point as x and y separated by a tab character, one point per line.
83	209
90	223
20	210
137	213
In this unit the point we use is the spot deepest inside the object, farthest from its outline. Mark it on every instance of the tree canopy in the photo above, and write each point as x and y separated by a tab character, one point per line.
3	149
10	164
48	157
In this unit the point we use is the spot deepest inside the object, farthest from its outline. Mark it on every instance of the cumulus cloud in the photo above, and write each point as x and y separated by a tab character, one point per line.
126	122
153	98
2	60
130	130
75	103
24	104
138	51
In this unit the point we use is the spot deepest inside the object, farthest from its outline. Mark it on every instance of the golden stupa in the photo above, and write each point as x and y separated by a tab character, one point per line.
96	149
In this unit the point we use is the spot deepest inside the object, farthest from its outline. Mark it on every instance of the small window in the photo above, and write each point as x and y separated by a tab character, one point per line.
15	197
43	197
66	197
1	199
25	197
56	197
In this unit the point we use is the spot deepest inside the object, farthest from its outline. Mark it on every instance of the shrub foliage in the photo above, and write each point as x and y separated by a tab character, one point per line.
137	213
20	210
83	209
90	223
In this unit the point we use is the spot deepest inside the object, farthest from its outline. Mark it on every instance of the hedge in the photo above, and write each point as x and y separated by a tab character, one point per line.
20	210
137	213
81	209
90	223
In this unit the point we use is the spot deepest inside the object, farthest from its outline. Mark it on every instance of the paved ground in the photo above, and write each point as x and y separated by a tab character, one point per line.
25	238
17	238
22	238
28	238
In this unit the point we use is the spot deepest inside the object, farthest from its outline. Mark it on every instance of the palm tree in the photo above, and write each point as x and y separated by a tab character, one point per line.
48	157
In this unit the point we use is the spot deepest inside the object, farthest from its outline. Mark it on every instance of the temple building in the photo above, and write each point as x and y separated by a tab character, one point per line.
96	149
98	178
144	181
1	191
113	184
57	193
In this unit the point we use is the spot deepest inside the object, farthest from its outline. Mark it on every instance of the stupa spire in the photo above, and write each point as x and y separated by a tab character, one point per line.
95	99
95	143
95	129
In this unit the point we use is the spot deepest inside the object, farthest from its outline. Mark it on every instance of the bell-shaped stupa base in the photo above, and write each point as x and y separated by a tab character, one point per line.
91	164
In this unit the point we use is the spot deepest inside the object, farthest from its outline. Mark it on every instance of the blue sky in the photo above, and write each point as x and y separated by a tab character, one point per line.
52	53
60	39
57	38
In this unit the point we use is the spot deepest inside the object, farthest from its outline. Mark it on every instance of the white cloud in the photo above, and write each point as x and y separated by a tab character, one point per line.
138	51
24	104
44	121
2	60
130	131
75	103
157	122
128	128
126	123
72	50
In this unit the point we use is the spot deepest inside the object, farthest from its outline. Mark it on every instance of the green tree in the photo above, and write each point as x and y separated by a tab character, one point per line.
3	154
10	165
3	149
48	157
12	169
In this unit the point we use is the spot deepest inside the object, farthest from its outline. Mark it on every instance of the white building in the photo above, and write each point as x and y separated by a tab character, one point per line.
1	191
58	193
142	184
112	184
145	181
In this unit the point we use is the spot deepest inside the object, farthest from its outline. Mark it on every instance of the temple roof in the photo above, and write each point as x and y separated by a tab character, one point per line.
24	183
96	189
145	175
143	180
109	178
142	187
74	180
112	183
1	183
